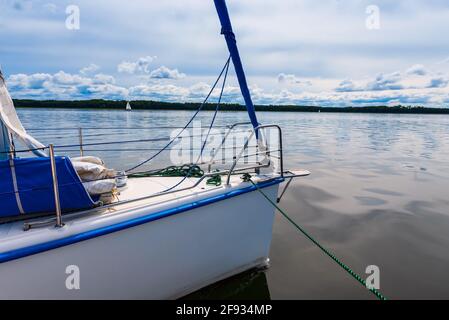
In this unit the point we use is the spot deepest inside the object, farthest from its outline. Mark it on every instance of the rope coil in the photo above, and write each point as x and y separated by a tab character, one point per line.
186	171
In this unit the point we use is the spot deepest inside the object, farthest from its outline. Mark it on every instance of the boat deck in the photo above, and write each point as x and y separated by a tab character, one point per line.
142	187
12	235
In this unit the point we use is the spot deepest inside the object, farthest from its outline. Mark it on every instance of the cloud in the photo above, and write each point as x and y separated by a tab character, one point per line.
440	82
92	68
36	43
22	5
199	90
388	81
347	86
103	79
50	7
381	82
63	85
444	61
166	73
291	79
67	79
159	92
417	69
415	77
102	91
339	49
333	99
174	93
410	86
34	81
142	65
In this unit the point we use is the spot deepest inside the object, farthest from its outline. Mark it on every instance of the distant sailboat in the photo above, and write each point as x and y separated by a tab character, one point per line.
128	106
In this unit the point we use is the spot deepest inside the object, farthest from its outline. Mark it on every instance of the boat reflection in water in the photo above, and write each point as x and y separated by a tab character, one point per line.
250	285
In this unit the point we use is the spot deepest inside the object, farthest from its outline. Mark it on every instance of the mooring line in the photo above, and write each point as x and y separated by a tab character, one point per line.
326	251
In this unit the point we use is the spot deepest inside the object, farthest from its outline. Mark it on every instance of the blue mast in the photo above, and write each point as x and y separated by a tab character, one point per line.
226	30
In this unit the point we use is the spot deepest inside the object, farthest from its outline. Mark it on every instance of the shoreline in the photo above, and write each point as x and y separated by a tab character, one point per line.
172	106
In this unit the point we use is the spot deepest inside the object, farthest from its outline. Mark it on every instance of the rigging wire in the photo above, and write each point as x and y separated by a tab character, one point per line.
208	132
114	128
120	142
226	67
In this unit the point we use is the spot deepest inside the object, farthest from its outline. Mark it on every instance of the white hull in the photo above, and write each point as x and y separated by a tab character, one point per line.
166	258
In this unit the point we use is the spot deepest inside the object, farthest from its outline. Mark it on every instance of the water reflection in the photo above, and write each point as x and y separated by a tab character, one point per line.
250	285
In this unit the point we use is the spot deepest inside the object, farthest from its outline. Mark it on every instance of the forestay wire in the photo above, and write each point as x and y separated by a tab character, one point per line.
189	173
225	69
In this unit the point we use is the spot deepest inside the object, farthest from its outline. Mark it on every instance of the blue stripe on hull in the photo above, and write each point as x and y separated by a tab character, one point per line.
31	250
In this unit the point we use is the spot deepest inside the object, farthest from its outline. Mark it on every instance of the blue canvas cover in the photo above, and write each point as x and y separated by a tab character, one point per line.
35	187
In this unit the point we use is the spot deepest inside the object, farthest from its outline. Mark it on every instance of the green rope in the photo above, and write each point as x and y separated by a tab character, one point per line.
191	171
247	177
172	171
214	180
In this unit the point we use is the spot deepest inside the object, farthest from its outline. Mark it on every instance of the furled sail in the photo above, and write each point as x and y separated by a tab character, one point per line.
9	119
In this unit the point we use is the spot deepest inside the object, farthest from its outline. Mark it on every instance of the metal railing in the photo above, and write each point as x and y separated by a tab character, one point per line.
223	141
54	175
267	152
80	137
262	147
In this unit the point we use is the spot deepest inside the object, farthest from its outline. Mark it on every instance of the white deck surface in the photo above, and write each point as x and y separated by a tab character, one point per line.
12	235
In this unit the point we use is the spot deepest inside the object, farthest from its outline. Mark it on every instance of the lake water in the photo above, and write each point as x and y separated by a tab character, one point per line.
378	195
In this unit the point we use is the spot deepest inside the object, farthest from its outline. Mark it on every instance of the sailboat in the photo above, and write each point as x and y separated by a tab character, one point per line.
128	106
65	235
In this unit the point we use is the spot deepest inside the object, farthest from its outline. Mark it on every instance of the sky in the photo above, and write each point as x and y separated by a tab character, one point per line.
304	52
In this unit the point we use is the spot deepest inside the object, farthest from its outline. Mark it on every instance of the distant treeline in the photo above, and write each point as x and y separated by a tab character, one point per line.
157	105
